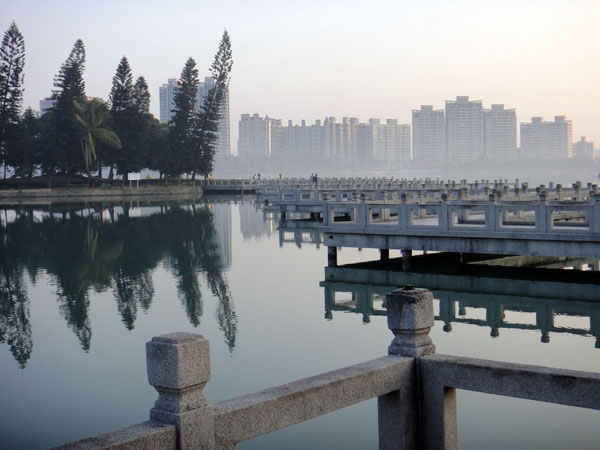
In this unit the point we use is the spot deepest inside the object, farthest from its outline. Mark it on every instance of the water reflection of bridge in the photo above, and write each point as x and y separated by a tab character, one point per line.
300	232
550	300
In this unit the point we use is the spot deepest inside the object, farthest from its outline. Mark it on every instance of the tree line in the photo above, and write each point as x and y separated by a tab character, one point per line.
81	136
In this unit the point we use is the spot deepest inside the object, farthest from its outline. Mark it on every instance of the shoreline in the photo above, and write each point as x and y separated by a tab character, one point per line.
24	196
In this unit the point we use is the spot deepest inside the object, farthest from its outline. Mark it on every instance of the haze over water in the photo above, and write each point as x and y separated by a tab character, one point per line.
312	59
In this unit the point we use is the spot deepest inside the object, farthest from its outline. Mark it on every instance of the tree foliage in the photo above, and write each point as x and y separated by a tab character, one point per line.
78	135
121	93
141	96
182	123
12	63
90	116
131	120
63	149
27	146
207	123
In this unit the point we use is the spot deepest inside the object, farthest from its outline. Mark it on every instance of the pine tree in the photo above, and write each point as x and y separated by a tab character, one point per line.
206	125
12	62
141	96
121	111
182	123
63	148
121	93
130	104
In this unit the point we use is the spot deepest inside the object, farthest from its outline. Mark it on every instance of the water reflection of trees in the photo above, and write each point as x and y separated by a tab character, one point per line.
83	252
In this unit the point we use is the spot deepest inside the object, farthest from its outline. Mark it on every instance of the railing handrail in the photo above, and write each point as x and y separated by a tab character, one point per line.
179	368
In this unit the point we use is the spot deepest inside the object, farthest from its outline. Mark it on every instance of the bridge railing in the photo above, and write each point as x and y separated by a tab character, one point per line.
492	216
416	391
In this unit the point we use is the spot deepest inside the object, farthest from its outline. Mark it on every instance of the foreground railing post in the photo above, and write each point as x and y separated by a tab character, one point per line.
179	368
410	317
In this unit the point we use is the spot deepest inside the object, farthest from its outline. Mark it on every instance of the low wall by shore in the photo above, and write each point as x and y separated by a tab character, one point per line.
25	196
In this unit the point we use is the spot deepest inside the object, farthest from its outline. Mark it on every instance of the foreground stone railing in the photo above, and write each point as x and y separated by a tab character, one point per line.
416	391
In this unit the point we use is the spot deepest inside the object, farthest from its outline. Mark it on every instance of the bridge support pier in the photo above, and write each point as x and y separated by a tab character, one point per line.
384	254
332	256
406	258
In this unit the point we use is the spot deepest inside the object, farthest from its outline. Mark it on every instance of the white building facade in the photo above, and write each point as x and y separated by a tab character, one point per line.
500	133
547	140
166	94
464	130
428	135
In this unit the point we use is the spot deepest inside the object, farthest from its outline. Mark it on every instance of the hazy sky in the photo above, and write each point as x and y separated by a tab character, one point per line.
312	59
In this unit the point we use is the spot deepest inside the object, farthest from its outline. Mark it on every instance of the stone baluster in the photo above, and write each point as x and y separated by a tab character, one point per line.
179	367
410	318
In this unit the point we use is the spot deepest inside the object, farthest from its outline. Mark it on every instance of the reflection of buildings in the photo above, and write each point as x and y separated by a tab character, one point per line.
222	222
253	222
549	300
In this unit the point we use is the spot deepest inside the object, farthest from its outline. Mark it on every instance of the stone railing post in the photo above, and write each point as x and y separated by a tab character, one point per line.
179	368
410	317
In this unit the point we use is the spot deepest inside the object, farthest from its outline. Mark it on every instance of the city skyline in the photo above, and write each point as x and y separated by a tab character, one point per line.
465	131
341	57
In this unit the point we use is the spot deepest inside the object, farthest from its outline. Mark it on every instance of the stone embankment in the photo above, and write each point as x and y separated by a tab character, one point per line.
37	196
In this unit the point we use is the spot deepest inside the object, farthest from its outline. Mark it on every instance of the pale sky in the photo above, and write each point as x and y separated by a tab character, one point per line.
312	59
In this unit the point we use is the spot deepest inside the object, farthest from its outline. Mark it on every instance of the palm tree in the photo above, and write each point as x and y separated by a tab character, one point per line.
90	116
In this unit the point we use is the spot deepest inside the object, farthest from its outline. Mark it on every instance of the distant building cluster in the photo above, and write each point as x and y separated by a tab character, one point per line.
166	98
349	140
462	132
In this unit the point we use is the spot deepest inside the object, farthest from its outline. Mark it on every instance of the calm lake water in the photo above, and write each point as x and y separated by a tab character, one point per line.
83	287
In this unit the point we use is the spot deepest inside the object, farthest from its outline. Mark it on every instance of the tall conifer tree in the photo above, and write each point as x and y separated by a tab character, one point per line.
141	96
12	63
121	93
63	152
206	125
182	123
121	101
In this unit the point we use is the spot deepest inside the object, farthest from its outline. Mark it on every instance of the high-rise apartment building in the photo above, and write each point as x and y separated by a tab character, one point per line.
547	140
254	140
392	143
166	94
464	130
428	135
583	149
500	133
46	104
366	137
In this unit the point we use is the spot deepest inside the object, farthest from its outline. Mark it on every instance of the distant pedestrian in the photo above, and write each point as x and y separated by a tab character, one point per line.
254	179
